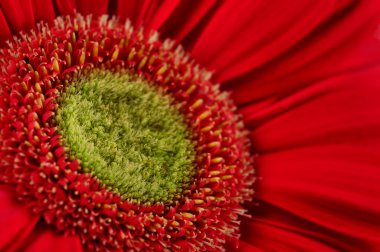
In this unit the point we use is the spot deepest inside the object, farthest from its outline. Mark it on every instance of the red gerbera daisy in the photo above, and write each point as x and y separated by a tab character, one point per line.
304	77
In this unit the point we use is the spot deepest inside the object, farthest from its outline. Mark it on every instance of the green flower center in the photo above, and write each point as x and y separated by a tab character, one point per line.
129	135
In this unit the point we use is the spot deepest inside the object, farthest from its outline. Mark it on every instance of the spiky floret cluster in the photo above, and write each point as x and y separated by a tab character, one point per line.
35	71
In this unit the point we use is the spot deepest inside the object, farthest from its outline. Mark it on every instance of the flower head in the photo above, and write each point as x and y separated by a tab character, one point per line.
94	138
303	76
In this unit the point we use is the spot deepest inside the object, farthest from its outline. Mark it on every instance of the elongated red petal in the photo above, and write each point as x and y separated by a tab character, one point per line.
318	155
270	237
5	33
66	7
46	239
93	7
16	220
345	39
16	19
159	12
43	10
186	17
133	10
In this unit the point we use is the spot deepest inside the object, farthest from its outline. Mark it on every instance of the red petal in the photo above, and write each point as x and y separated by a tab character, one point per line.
186	17
94	7
336	194
346	104
275	48
46	239
133	10
16	220
66	7
18	20
266	216
150	14
318	154
270	237
5	33
242	247
85	7
256	32
43	10
158	13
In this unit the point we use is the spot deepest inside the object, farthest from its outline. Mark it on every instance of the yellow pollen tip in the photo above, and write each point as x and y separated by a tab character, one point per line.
115	54
131	53
56	65
38	88
82	58
196	104
204	115
142	63
162	70
68	59
95	49
217	160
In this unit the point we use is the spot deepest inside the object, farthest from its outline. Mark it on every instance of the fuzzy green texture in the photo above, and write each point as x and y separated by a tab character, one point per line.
129	135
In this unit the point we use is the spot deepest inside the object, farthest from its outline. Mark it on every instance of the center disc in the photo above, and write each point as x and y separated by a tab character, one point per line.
128	134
